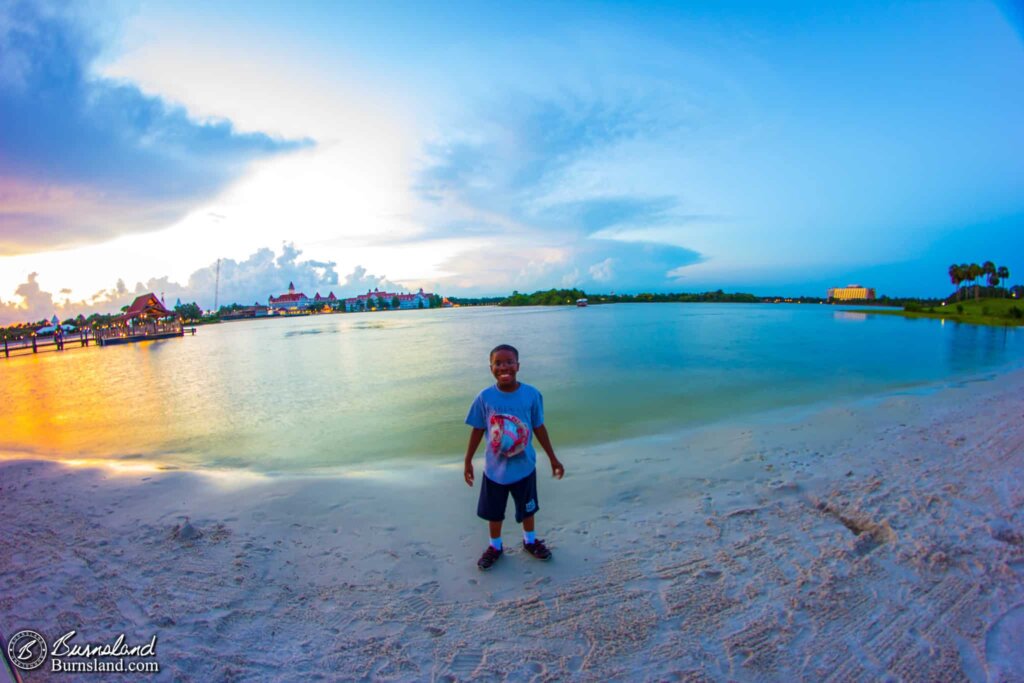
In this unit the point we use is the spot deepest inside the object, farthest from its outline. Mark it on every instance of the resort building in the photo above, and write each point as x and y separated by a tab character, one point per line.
292	301
247	312
851	293
377	299
329	301
298	301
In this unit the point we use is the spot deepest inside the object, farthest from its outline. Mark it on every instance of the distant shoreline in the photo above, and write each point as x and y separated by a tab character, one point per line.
992	312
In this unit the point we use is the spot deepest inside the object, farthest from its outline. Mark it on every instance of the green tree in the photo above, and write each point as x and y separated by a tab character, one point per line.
395	303
956	277
974	271
189	311
1004	274
988	269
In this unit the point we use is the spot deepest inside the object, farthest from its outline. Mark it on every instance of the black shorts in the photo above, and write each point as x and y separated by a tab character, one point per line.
494	498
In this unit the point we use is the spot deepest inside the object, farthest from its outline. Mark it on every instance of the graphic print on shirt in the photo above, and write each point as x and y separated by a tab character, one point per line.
508	435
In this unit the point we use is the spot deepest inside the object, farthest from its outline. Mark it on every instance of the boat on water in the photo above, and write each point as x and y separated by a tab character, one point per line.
581	302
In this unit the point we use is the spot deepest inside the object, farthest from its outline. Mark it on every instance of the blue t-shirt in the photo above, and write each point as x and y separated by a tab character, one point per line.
508	419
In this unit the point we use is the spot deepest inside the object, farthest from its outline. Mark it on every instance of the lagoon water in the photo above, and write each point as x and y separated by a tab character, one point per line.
357	390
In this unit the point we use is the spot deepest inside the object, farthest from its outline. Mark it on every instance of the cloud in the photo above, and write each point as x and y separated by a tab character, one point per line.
603	271
251	280
592	264
524	145
358	280
34	297
515	177
87	158
593	215
247	281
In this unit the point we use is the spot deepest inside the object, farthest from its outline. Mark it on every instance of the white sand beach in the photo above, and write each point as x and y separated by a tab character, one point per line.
875	540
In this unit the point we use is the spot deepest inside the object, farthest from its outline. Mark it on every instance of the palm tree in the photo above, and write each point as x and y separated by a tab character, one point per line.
1004	273
993	280
955	278
974	271
988	269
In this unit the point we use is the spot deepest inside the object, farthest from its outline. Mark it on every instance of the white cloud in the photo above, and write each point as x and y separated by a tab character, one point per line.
247	281
602	272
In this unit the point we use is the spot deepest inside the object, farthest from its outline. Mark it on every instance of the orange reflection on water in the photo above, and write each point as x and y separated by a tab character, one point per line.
94	402
39	400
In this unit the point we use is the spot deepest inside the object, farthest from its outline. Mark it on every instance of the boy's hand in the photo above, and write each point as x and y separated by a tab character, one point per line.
557	471
468	474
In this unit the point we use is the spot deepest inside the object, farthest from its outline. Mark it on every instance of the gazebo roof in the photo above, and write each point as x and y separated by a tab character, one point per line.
146	306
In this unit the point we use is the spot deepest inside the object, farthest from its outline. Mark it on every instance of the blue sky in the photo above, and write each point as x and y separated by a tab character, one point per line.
474	149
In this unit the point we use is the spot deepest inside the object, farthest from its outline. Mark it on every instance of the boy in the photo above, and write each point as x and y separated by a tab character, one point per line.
511	413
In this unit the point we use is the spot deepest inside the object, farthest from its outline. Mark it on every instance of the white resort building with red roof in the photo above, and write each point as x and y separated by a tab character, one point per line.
373	300
293	300
298	301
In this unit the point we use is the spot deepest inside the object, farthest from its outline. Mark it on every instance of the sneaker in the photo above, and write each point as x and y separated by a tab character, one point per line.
488	559
537	549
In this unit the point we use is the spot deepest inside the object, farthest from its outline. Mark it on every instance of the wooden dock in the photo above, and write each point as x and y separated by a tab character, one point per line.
82	339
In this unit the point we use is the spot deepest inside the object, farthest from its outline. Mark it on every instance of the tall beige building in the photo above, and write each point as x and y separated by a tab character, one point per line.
851	292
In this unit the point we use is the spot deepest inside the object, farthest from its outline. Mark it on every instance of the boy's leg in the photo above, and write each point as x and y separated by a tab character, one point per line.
529	537
524	493
491	507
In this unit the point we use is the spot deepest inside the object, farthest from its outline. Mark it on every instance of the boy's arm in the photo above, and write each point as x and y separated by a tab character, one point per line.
557	470
474	440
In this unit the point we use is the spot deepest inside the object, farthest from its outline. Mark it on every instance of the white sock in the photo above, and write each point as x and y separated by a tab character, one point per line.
496	543
529	537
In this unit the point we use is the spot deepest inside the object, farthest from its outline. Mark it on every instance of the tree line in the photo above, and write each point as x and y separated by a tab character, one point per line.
561	297
972	272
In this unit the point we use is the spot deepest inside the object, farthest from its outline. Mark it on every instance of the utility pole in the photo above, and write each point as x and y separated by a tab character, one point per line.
216	289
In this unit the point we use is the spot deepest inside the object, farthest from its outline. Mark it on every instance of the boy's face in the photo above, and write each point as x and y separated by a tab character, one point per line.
504	366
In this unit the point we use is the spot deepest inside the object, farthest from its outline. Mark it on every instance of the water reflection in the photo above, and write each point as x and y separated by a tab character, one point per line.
972	346
304	393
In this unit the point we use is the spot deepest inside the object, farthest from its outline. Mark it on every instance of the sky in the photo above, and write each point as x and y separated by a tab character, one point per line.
475	149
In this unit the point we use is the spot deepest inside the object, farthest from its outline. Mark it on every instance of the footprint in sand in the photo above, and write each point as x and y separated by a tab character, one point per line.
1004	645
466	662
428	587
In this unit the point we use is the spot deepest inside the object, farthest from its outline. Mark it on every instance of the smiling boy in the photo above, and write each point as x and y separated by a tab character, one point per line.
510	413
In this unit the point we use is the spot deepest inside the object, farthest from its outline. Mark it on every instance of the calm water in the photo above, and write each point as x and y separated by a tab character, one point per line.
334	390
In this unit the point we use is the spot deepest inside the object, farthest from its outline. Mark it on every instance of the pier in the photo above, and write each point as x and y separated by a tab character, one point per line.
146	319
82	339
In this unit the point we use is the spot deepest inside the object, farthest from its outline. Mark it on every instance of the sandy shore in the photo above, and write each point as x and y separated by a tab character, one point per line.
875	540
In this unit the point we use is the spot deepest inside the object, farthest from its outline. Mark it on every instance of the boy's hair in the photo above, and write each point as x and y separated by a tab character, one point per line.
504	347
